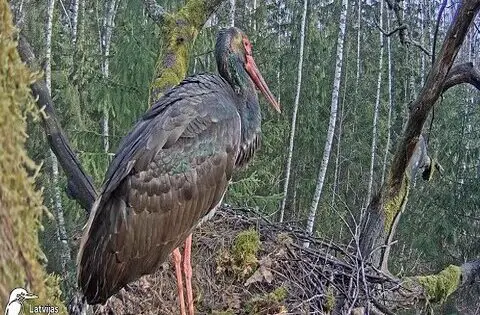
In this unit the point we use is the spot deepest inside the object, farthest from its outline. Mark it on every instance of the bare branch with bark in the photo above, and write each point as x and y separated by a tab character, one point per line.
80	186
402	28
463	73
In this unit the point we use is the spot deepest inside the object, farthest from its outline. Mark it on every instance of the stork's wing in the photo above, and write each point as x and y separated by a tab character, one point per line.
168	173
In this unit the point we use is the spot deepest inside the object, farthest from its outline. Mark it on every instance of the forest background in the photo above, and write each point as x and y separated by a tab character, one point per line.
343	113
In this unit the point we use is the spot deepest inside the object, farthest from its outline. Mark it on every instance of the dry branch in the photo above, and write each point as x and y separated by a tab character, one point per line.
463	73
80	186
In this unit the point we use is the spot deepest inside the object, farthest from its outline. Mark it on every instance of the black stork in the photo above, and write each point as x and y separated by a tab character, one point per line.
171	172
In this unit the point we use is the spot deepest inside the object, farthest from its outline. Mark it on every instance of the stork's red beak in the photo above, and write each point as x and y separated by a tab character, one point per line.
257	78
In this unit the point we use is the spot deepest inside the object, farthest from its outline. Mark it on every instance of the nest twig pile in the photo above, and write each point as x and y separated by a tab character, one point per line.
283	276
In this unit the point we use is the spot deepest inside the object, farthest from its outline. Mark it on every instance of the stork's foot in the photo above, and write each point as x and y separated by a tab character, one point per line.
177	259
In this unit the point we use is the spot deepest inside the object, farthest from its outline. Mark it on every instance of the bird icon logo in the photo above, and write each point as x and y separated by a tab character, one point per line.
15	302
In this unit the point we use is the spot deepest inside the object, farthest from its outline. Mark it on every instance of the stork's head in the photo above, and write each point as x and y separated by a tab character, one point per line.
235	63
20	295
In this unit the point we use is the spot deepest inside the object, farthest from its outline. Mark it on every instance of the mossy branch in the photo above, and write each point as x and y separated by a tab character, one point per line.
20	204
422	291
179	31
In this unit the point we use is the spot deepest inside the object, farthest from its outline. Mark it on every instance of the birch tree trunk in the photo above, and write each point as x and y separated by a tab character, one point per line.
57	197
108	23
390	104
357	74
341	116
332	121
231	14
376	110
295	110
255	16
359	29
74	5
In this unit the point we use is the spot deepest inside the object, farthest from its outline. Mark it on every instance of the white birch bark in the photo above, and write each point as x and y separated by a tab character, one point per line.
279	47
376	110
337	171
255	16
108	23
390	103
295	110
422	42
74	5
339	143
231	14
359	23
331	124
57	197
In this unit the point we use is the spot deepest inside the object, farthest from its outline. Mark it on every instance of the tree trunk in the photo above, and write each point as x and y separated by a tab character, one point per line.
376	110
331	124
74	5
379	225
390	105
108	23
57	195
341	110
295	110
231	13
359	36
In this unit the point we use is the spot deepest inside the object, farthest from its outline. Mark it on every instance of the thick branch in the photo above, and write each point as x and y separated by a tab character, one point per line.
154	11
179	32
463	73
425	290
383	210
80	186
433	87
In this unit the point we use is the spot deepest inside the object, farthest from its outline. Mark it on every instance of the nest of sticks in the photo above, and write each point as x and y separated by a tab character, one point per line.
283	277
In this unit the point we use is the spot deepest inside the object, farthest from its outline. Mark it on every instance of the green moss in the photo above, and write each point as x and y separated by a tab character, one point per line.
279	295
178	35
440	286
241	259
329	304
20	204
270	303
196	13
396	200
227	312
172	64
245	248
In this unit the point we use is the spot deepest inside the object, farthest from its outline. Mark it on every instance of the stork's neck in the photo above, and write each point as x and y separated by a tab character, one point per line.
232	69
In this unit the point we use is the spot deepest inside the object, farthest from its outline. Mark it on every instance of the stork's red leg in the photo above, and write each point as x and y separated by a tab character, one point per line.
177	259
187	268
